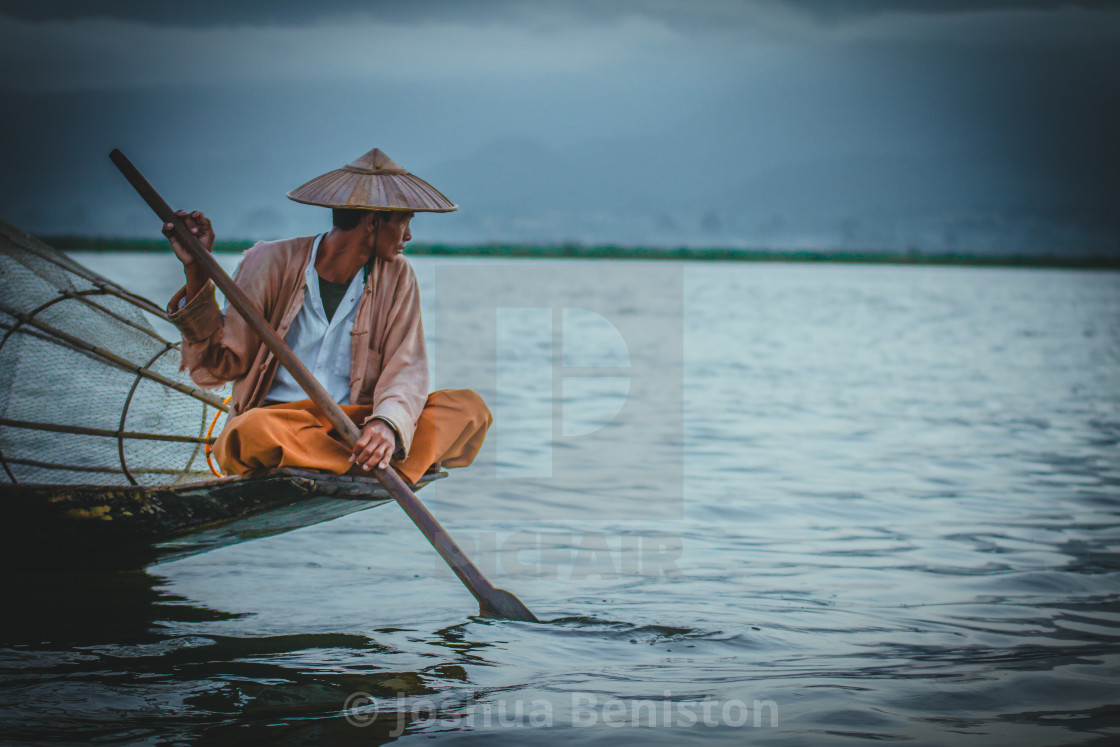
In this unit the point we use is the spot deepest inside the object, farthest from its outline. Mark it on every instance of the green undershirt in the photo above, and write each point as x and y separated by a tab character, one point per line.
332	294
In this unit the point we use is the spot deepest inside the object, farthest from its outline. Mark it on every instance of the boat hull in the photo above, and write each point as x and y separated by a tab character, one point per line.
134	526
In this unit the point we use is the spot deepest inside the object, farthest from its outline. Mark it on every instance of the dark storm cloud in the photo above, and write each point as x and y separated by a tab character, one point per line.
243	12
694	12
703	45
847	9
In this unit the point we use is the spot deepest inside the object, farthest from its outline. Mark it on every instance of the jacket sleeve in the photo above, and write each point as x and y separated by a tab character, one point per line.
402	386
218	347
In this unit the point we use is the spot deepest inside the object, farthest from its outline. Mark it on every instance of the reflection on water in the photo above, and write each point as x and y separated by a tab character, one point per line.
900	523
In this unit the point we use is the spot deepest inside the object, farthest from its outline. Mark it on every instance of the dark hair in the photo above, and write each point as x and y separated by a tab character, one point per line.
347	218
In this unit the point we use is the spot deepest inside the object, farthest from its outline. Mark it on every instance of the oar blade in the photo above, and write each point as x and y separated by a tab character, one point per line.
503	605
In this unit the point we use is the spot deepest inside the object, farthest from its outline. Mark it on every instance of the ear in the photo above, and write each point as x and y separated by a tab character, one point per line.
370	221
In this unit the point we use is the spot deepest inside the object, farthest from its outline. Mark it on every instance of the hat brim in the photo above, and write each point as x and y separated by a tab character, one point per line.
350	188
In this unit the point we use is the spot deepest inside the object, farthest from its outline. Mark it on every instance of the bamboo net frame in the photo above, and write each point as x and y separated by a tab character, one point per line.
90	393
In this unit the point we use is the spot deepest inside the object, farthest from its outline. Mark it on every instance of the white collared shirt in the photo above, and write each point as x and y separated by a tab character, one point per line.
321	345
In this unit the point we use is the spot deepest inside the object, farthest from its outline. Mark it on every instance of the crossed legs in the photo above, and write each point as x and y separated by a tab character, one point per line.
449	433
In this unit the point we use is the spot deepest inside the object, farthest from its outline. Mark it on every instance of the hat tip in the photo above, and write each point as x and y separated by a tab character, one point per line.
376	160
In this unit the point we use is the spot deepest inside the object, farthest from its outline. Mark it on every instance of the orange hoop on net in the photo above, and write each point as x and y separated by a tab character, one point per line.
209	444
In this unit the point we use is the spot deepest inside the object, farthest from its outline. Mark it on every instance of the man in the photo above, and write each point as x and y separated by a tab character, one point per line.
348	306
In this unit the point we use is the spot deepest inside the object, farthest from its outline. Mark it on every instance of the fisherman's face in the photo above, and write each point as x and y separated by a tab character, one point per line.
392	235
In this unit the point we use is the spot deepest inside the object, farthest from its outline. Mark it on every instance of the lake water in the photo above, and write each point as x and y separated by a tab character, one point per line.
798	504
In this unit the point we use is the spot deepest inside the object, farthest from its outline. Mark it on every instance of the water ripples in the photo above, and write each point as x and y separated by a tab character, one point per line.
899	522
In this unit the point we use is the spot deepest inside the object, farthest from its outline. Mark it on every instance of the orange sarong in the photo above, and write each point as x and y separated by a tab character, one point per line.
296	434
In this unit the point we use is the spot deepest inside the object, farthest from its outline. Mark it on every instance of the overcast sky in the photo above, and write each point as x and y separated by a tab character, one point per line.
963	125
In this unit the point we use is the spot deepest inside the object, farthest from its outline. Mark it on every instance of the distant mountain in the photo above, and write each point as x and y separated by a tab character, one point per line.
515	175
646	191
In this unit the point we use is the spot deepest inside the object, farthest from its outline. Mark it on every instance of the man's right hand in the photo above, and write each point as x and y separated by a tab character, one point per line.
375	446
199	225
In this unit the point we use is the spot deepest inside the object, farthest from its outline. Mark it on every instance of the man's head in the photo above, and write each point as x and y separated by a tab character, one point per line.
375	195
386	231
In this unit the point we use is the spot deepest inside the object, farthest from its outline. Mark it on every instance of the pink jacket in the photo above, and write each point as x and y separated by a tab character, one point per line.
388	359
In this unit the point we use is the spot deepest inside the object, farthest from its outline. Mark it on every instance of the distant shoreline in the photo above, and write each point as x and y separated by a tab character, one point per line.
575	251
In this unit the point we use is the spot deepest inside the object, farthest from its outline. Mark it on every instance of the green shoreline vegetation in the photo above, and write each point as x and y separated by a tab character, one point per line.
577	251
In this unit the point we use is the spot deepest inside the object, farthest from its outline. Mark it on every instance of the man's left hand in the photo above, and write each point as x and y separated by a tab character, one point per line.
375	446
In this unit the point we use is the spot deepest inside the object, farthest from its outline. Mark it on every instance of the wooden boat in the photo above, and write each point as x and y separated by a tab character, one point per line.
133	526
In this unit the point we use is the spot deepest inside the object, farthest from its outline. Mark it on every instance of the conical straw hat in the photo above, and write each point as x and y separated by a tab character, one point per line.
373	182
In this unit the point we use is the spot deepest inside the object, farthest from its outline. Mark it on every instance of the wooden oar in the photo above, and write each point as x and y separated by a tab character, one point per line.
492	602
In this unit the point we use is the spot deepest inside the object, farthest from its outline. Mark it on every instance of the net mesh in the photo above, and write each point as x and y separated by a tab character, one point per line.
89	392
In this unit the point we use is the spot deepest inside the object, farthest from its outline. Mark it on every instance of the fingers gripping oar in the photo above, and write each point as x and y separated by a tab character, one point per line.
492	602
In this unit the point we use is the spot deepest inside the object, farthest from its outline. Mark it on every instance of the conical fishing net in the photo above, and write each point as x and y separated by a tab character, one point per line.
89	392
